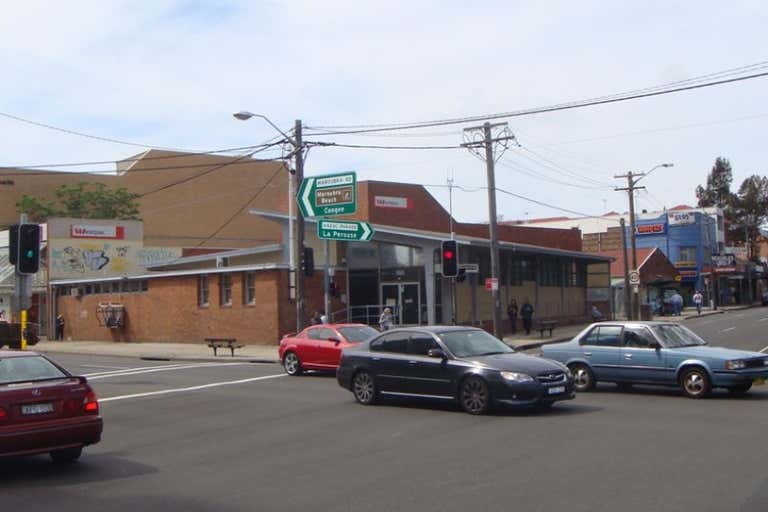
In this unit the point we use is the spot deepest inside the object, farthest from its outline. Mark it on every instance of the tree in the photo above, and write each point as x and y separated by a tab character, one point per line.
718	189
85	201
750	208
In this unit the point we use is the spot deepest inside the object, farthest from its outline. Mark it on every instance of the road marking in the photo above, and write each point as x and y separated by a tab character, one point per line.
102	366
123	370
191	388
763	319
163	369
765	350
728	329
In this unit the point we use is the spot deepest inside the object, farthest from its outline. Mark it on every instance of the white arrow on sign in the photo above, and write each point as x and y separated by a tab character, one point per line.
366	231
305	197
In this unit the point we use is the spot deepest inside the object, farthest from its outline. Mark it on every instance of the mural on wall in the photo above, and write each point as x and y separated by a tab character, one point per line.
149	256
75	258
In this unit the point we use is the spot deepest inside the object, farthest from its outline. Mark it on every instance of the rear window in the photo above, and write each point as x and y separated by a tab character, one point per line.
24	369
358	333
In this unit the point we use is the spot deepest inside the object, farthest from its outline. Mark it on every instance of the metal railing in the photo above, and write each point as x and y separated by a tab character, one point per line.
370	313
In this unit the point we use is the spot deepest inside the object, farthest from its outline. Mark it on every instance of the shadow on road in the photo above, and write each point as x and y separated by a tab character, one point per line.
759	394
567	408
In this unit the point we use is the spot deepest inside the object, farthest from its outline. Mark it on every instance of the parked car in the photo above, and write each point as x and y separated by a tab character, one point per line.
319	347
464	364
44	408
658	353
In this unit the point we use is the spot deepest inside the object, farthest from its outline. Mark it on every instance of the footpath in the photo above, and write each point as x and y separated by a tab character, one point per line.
200	352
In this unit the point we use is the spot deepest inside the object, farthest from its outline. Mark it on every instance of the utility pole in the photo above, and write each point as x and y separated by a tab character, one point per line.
627	296
748	247
630	188
298	147
487	143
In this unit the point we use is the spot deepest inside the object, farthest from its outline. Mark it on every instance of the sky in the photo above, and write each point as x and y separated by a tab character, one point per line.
169	73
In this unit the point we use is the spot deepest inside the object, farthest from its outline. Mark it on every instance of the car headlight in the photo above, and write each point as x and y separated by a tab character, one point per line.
517	377
738	364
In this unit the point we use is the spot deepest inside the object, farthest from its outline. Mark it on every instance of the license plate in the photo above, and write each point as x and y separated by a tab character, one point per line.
36	409
759	382
556	390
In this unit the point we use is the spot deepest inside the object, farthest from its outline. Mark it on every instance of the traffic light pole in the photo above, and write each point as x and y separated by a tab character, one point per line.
23	287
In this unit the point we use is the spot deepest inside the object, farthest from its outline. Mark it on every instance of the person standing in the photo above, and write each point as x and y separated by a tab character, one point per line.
512	314
59	327
385	320
698	299
316	319
677	303
526	312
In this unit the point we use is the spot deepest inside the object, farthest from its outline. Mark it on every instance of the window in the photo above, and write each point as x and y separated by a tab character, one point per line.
551	272
421	344
19	369
638	337
358	334
225	289
321	333
203	293
395	342
603	336
249	288
687	254
522	269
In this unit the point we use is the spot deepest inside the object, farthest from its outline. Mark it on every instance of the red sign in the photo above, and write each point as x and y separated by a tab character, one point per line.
649	229
491	284
93	231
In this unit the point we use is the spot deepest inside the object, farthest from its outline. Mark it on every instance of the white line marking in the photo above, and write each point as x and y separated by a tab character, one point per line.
102	366
763	319
132	369
191	388
154	370
728	329
740	315
765	350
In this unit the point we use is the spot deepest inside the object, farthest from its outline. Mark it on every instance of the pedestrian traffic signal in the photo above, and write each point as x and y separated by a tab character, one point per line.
308	261
450	258
28	255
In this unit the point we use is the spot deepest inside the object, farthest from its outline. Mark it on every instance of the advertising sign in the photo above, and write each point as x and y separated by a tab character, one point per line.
681	218
401	203
94	231
658	228
491	284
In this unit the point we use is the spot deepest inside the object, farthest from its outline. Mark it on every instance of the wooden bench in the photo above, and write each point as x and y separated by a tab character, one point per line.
546	325
217	343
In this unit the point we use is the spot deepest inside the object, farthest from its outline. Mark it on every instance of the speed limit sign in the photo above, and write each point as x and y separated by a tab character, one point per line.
634	277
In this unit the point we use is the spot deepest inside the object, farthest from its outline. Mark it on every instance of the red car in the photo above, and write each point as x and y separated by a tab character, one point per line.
44	408
319	347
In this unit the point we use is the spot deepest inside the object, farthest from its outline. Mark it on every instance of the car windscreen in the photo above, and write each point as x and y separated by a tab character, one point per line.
359	333
675	336
471	343
25	369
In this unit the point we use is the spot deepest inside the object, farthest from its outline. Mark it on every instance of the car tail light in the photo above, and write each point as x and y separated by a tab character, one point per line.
90	404
3	415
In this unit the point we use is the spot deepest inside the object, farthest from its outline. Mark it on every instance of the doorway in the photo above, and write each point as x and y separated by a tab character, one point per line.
405	301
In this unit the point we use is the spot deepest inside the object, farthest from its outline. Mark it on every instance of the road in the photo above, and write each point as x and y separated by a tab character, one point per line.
198	437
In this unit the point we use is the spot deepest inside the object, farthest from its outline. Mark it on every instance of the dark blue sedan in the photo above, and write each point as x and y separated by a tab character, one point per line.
659	353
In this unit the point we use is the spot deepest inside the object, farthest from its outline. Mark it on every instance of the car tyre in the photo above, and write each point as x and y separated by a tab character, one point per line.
740	390
364	388
694	382
67	455
292	364
583	378
474	396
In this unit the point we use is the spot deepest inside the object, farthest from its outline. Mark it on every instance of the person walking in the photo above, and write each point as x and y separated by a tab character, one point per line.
59	327
698	299
385	320
677	303
512	314
316	319
526	312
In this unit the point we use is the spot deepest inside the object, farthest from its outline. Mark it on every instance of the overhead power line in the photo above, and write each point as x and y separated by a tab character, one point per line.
719	78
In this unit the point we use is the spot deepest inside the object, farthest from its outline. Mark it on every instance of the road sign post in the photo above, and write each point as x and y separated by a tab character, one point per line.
349	231
329	195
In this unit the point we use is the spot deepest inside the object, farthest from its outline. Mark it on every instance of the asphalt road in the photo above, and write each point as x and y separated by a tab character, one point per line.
257	440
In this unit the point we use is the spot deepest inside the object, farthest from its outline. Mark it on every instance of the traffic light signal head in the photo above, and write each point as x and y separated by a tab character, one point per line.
28	242
450	258
308	261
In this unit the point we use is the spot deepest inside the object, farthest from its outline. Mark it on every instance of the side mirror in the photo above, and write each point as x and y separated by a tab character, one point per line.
334	339
437	353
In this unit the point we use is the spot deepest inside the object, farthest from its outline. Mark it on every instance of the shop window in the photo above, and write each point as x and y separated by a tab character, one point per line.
687	253
203	293
225	290
551	272
115	287
249	288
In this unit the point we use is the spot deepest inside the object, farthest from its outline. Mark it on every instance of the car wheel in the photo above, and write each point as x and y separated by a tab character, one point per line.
695	383
474	396
364	388
740	390
67	455
291	364
583	378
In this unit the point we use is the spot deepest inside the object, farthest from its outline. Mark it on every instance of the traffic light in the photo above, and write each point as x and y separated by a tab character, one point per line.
28	256
308	262
13	243
450	257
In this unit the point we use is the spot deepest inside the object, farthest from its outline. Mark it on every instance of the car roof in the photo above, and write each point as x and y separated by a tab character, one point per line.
632	323
16	353
336	326
436	329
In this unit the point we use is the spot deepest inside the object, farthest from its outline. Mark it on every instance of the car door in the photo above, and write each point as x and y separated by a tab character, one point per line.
328	352
427	375
600	347
389	361
640	361
311	346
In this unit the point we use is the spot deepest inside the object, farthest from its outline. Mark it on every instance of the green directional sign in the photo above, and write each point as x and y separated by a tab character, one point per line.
329	195
344	230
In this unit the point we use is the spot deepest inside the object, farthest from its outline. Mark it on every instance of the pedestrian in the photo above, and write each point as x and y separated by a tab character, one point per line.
698	299
677	303
597	316
316	319
323	318
512	314
2	316
385	320
526	312
59	327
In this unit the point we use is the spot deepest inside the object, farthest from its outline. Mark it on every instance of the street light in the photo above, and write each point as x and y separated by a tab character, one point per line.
295	245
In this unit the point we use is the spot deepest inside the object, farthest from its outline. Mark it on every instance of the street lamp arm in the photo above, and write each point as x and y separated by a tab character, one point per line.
244	115
647	173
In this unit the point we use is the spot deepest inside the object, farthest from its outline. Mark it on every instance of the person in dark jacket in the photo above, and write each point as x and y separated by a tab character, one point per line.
526	312
59	327
512	314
